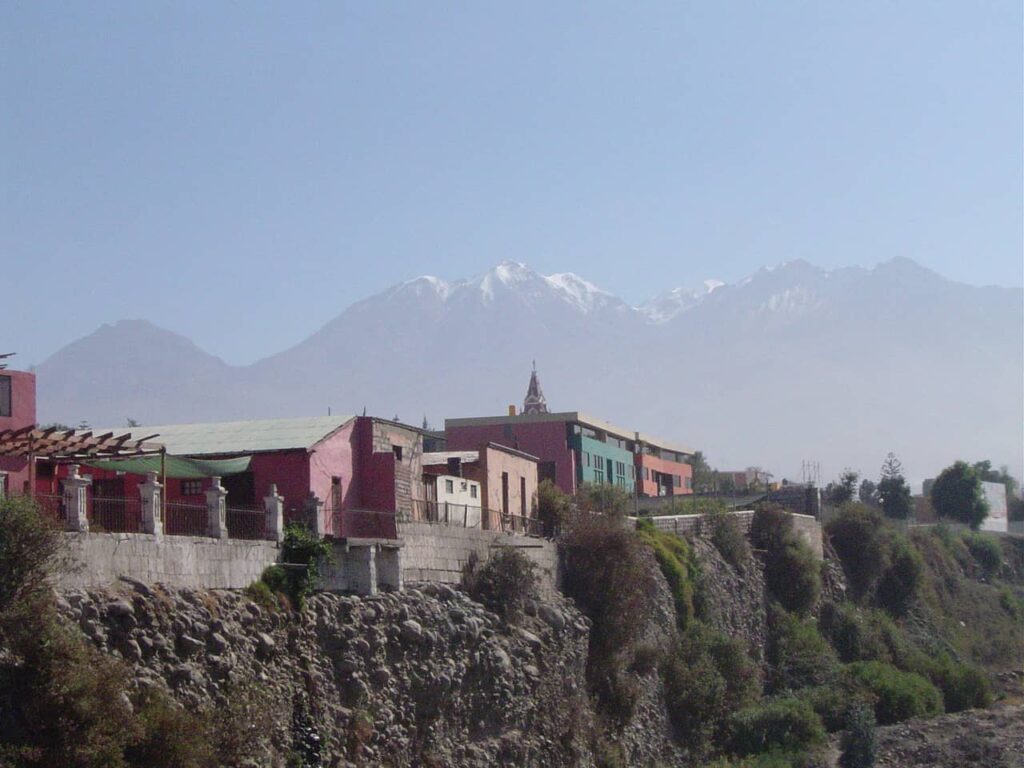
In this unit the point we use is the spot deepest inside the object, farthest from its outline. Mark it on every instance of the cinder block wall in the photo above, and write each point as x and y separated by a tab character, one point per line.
181	561
437	552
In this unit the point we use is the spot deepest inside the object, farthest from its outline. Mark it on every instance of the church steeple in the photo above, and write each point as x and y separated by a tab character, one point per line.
534	402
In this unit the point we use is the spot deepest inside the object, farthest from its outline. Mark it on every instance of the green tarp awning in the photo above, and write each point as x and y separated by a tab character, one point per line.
178	467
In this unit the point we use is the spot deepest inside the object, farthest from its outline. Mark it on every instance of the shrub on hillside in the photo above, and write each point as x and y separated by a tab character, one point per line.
787	723
792	574
770	525
986	553
303	555
797	655
706	677
863	634
859	538
898	585
678	566
897	695
503	584
608	574
859	744
729	539
963	686
552	506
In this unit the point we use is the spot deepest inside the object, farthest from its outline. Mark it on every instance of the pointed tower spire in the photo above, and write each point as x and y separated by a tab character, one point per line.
534	402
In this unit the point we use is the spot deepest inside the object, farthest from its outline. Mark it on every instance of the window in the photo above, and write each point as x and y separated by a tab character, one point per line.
474	491
5	395
397	450
191	487
689	483
676	481
449	486
586	458
546	471
598	475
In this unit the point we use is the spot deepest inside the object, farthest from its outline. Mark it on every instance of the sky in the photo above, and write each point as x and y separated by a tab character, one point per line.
242	172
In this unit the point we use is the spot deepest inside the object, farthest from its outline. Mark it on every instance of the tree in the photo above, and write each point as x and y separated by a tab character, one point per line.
842	491
893	491
868	493
956	494
985	472
703	475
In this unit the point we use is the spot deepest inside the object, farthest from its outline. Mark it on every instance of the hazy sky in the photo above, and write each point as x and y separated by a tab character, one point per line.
241	172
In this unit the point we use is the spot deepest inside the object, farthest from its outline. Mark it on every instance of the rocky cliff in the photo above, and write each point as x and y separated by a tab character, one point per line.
424	677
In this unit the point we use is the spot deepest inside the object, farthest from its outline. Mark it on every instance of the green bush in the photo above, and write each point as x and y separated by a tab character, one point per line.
859	744
770	525
986	553
899	583
678	566
303	554
898	696
859	537
797	655
708	676
606	571
963	686
261	593
503	584
830	702
792	574
785	723
728	538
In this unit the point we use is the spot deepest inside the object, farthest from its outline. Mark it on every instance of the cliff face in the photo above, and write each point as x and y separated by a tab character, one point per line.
424	677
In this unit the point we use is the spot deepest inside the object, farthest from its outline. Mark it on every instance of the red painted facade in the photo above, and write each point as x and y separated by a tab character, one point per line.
354	471
22	414
655	476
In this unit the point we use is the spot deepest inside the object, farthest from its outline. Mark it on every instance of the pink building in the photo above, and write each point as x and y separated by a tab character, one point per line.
342	469
17	411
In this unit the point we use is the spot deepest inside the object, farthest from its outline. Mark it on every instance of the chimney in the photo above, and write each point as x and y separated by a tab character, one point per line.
511	410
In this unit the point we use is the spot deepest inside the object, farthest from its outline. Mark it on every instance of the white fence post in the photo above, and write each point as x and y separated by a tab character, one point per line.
151	493
273	507
216	510
313	509
75	501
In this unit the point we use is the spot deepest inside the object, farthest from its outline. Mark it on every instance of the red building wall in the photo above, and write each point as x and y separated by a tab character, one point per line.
23	414
647	487
547	440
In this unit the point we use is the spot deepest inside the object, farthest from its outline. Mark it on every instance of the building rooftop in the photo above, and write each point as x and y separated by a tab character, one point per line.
223	437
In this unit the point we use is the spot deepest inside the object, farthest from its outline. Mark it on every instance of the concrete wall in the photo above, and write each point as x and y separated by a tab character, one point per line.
437	552
180	561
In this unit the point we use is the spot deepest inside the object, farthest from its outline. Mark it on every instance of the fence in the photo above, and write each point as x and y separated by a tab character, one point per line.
465	516
114	515
183	519
246	522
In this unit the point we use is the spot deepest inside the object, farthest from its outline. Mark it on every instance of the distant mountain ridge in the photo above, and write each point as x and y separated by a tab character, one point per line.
793	362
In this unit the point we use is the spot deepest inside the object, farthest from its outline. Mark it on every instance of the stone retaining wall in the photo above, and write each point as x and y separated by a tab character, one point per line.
437	552
98	559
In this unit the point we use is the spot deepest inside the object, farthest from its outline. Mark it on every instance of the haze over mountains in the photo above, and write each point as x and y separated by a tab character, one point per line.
792	363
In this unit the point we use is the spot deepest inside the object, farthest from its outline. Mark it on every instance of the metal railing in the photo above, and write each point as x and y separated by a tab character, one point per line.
246	522
362	524
467	516
183	519
114	515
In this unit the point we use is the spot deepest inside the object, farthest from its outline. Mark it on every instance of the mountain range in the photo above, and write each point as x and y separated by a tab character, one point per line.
792	363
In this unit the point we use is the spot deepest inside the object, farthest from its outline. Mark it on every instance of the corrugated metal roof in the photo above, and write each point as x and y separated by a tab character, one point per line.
241	436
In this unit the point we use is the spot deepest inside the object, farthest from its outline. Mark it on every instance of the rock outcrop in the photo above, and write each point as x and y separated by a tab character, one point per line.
422	677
